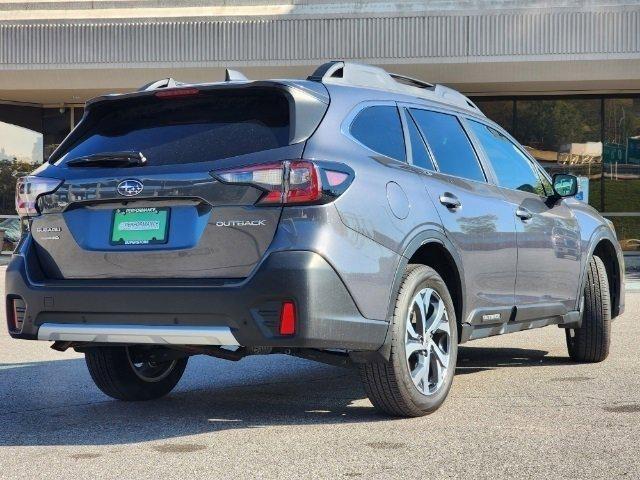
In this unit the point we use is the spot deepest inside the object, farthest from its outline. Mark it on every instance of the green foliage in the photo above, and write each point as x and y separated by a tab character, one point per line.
9	173
548	124
619	195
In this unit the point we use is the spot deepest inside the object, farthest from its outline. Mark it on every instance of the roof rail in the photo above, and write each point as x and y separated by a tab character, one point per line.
164	83
234	76
368	76
412	82
229	76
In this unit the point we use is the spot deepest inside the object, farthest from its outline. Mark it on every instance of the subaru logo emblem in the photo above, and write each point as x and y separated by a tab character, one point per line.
129	188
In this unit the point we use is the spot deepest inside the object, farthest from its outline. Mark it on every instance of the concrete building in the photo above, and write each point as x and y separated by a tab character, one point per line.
556	74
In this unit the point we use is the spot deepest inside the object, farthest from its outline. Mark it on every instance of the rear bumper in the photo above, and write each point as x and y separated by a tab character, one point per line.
202	313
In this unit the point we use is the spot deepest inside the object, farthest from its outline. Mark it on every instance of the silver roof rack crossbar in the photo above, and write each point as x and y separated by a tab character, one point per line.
360	75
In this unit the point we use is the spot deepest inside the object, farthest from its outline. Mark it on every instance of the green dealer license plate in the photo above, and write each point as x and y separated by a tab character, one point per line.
140	226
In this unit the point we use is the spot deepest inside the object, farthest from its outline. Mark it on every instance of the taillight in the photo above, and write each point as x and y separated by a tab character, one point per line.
28	189
303	186
291	182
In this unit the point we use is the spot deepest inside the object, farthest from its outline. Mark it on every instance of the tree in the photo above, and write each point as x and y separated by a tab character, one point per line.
10	170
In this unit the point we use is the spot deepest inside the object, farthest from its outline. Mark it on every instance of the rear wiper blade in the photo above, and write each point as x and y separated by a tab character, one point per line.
109	159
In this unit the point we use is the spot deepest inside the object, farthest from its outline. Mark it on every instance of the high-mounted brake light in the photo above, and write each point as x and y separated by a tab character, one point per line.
289	182
177	93
28	189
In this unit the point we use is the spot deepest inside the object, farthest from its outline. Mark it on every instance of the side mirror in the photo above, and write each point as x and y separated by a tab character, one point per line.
565	185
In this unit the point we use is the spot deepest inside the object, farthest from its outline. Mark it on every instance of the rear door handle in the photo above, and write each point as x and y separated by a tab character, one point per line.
450	201
523	214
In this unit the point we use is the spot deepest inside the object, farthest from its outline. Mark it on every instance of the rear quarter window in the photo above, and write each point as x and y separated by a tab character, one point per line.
378	128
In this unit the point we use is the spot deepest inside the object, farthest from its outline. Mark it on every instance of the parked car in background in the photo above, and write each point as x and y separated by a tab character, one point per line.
11	228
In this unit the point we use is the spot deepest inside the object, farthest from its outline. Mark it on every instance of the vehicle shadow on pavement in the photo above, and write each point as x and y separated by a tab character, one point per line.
478	359
55	403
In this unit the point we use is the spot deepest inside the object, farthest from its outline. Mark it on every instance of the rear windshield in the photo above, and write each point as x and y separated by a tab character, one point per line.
208	126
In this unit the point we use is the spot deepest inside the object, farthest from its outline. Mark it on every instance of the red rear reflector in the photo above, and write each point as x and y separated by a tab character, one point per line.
15	314
288	318
11	318
177	92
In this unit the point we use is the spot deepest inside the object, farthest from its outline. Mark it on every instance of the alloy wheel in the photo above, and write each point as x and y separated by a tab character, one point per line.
428	341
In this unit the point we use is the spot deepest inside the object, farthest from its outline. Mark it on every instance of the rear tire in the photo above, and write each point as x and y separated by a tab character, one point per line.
114	372
417	377
590	342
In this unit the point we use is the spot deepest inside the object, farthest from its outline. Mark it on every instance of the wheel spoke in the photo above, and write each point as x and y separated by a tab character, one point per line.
411	332
437	374
422	300
443	326
420	371
436	317
412	347
420	374
441	356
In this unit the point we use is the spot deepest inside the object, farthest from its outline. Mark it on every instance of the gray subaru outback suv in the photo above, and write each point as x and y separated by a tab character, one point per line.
357	218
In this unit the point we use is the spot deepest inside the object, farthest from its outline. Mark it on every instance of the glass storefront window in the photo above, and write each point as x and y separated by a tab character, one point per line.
595	138
56	123
500	111
564	136
622	168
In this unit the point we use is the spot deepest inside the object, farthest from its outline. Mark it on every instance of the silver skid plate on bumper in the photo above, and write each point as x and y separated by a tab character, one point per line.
177	335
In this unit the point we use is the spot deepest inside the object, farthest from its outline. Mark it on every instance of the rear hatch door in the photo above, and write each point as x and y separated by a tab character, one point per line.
139	198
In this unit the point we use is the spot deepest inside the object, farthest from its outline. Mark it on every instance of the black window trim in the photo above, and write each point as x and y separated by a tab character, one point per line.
406	116
345	127
489	177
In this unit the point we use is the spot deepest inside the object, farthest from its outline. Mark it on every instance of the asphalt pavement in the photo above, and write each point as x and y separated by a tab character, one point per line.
518	409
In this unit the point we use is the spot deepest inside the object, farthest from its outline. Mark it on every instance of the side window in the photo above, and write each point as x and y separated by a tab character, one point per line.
449	144
513	169
379	128
419	153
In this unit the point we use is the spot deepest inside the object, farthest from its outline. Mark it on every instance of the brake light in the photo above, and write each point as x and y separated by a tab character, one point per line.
289	182
28	189
177	93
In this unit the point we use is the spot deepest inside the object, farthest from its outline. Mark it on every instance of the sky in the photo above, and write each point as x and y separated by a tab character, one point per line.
18	141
